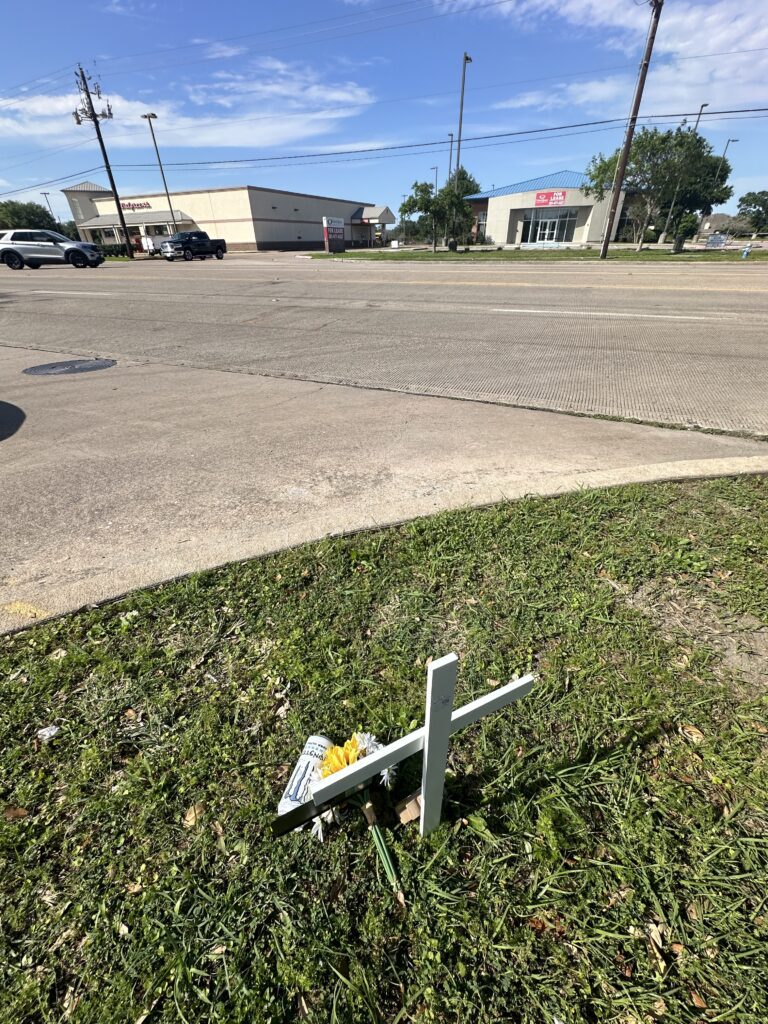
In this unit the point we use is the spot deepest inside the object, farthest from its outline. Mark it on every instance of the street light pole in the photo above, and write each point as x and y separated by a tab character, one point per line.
722	159
621	167
46	194
663	235
450	156
466	60
149	118
434	224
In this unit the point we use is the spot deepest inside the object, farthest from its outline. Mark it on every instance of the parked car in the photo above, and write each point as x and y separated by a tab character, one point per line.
191	244
23	247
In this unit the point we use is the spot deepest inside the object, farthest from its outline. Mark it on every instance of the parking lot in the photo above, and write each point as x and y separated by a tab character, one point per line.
267	399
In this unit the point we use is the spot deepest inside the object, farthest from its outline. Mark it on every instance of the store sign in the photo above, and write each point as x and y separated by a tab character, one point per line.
333	234
556	198
136	206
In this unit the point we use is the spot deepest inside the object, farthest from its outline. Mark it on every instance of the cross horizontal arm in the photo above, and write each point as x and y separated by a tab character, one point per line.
396	752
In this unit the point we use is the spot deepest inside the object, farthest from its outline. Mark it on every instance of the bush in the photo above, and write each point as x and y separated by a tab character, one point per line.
114	250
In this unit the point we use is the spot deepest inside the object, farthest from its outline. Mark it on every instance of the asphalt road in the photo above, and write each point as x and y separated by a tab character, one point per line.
681	344
196	448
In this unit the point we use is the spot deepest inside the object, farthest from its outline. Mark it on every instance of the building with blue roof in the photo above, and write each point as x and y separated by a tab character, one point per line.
552	209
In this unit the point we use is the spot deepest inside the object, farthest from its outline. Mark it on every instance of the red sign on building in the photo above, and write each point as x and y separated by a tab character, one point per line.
556	198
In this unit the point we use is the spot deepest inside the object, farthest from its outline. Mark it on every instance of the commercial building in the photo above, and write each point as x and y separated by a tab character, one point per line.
246	216
550	210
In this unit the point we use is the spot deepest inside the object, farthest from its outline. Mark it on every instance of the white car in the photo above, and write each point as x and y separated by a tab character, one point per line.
20	247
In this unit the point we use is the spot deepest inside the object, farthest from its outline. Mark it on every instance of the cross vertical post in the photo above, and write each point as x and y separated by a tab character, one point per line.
441	683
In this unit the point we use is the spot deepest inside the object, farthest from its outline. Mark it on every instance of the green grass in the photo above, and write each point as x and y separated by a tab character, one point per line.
575	822
547	255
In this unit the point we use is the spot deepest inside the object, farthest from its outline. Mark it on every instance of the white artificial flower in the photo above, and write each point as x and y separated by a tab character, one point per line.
388	776
367	742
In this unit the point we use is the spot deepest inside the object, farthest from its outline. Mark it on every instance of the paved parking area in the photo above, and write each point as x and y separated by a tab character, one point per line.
264	401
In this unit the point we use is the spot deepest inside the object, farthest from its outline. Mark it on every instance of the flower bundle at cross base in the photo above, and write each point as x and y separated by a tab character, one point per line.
357	747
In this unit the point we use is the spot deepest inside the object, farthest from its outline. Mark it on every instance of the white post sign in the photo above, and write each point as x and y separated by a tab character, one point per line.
441	721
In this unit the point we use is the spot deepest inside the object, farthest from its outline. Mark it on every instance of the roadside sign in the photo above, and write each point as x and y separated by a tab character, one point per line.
715	241
333	234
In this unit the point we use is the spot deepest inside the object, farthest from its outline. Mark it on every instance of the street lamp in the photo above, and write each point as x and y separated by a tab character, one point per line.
434	225
696	126
46	194
466	60
722	158
149	118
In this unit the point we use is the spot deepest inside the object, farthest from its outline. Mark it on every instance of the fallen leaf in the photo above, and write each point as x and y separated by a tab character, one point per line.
130	714
493	682
677	948
698	1001
194	814
143	1016
46	734
57	655
283	710
659	1007
13	813
218	950
303	1008
762	729
655	945
400	897
218	828
123	929
133	888
690	732
692	912
620	895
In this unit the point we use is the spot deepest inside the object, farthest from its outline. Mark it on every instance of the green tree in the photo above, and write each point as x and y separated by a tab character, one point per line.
754	207
668	171
26	215
445	212
69	228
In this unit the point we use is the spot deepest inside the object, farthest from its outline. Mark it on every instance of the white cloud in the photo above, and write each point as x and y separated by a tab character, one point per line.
222	50
675	83
272	103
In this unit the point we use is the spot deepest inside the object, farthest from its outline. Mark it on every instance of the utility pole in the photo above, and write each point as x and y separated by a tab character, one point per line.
88	113
621	167
466	60
434	223
450	156
149	118
404	220
46	194
663	235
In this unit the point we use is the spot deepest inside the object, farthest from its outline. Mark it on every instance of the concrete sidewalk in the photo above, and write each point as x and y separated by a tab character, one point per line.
136	474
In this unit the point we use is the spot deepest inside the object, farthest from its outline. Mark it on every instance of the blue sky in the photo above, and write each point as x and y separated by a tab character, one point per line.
240	79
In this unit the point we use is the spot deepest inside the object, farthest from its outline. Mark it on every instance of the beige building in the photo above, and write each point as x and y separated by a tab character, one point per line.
550	210
245	216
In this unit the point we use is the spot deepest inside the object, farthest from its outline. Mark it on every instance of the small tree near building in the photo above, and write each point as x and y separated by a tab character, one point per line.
754	208
673	171
446	211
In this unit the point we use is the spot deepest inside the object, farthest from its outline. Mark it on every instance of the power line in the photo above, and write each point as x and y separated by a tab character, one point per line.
435	142
52	181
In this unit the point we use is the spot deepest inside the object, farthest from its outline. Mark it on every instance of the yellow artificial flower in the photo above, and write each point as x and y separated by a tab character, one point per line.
337	758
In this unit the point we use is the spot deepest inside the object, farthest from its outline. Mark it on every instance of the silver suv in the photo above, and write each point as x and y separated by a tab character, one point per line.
22	247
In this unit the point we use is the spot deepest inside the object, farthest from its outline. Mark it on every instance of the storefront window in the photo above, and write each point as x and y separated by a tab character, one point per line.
548	225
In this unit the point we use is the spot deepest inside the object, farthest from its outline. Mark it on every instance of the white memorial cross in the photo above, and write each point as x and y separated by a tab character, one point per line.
441	721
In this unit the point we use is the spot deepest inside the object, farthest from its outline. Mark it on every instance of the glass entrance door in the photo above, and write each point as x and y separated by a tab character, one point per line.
547	231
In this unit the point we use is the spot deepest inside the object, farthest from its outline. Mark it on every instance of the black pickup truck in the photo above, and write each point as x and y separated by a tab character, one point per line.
191	244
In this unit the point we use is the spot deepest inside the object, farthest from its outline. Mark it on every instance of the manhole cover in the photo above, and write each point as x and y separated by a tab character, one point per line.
69	366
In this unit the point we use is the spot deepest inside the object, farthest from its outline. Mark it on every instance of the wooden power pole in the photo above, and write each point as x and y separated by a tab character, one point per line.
88	113
621	167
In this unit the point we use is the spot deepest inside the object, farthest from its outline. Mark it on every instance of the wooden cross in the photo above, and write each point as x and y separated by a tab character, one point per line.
440	722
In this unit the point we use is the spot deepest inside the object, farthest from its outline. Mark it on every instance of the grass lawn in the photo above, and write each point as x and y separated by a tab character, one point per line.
547	255
604	850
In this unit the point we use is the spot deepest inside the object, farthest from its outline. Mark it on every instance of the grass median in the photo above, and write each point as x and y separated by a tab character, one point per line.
603	854
543	255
